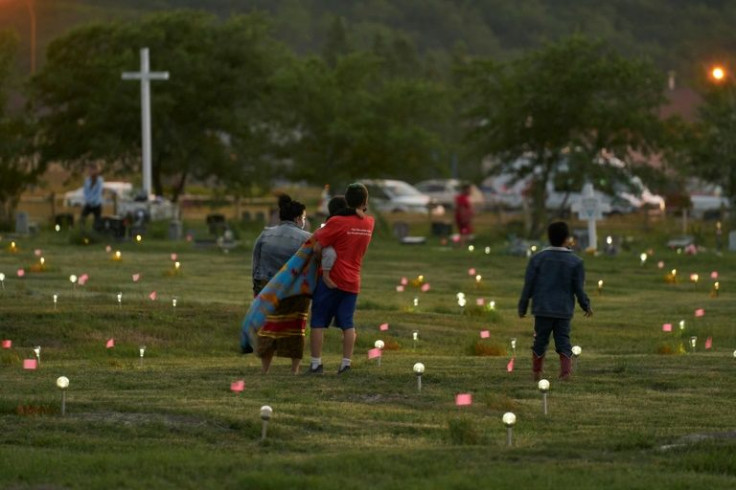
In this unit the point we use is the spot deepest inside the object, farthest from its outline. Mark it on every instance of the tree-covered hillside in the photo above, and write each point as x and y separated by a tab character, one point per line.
680	35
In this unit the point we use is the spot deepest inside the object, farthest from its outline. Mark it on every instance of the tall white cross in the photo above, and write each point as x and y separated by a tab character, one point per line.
145	76
590	208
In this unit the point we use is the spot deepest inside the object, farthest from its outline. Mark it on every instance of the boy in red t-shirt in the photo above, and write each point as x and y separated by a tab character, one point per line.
349	236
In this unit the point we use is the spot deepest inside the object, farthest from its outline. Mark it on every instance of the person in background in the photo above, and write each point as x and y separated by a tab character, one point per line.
283	333
554	278
464	213
92	189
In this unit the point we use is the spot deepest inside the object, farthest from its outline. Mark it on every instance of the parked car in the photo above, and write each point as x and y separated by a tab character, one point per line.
111	191
444	191
120	197
396	196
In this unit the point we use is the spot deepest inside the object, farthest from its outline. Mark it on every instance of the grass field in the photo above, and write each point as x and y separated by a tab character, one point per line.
639	413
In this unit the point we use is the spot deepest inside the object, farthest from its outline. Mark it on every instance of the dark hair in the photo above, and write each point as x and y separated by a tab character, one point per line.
356	195
289	210
337	204
557	233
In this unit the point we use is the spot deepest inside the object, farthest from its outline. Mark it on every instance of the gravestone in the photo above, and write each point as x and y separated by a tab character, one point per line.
175	230
732	241
21	223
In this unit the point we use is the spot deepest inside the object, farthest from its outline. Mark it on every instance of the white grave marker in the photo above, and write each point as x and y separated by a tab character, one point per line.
145	76
590	209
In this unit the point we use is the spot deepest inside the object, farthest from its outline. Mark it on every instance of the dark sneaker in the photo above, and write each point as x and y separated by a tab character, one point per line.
343	369
318	370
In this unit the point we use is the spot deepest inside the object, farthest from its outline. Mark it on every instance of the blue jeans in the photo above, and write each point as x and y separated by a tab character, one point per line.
559	327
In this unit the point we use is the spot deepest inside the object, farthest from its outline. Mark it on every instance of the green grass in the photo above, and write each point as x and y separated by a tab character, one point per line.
630	418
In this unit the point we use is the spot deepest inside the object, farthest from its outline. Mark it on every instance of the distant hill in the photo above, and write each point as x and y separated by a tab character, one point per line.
679	35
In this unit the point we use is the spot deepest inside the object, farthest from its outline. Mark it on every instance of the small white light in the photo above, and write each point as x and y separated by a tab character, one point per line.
471	248
42	260
138	238
643	258
492	305
600	283
682	324
73	279
142	350
120	297
62	382
266	412
513	343
177	265
543	385
478	278
173	302
509	419
576	350
609	239
56	298
415	335
693	341
118	254
488	250
379	344
416	301
2	276
460	295
462	302
533	249
57	228
418	368
734	353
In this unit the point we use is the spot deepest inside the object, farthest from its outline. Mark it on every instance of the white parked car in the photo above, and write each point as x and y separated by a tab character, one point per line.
111	191
395	196
444	191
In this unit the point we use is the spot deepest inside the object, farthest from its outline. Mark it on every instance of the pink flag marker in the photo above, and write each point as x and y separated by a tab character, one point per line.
480	301
404	281
510	366
699	312
471	271
374	353
484	334
110	343
7	344
30	364
714	275
425	287
709	342
108	249
83	279
463	399
666	327
21	272
173	257
399	288
37	252
383	327
237	386
136	277
153	296
660	264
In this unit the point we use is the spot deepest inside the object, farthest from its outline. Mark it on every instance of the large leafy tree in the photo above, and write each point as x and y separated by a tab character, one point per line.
355	114
712	146
18	167
206	117
576	101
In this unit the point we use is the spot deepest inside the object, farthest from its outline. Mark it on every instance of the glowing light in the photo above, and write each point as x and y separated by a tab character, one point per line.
57	228
73	279
42	260
379	344
682	324
62	382
488	250
138	238
478	278
509	419
694	278
471	248
718	73
266	412
543	385
576	350
643	258
418	368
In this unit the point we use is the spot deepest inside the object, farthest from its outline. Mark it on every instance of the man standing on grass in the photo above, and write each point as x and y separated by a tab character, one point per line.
349	236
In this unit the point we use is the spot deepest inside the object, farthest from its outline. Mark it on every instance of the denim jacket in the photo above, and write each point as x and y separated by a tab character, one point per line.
554	277
274	246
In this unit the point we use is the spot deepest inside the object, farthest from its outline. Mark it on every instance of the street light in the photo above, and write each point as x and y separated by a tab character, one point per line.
718	73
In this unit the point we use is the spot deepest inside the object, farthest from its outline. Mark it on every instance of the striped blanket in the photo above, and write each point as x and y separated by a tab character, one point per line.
298	276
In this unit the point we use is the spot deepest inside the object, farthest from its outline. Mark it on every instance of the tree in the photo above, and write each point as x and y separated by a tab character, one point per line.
352	121
202	116
18	167
712	143
575	101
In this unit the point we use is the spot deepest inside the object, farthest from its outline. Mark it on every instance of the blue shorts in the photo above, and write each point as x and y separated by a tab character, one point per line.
329	304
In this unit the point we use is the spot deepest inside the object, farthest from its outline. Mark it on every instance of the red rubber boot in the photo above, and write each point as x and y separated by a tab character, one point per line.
537	364
565	367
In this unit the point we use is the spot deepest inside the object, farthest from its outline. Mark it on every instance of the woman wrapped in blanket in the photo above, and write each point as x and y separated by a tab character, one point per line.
283	332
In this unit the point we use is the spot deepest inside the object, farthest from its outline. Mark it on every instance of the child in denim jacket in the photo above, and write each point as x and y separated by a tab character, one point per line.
554	278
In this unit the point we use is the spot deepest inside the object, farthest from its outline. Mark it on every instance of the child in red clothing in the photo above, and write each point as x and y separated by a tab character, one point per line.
350	236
